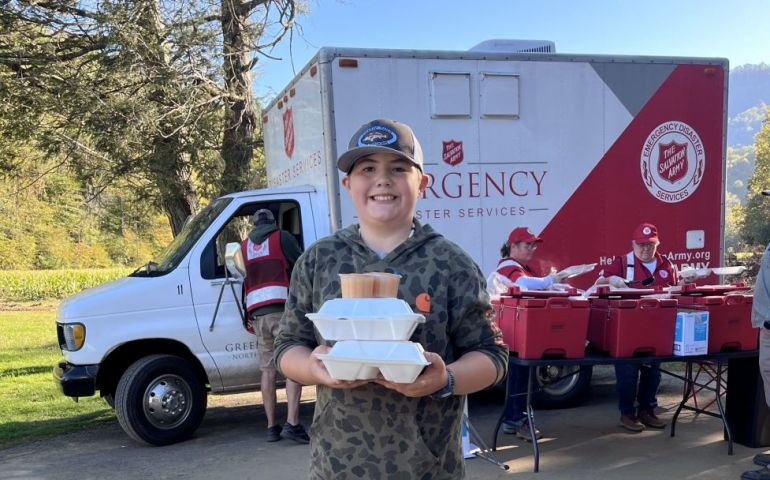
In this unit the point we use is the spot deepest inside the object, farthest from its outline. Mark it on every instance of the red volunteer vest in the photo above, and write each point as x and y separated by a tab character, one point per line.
512	269
631	268
267	278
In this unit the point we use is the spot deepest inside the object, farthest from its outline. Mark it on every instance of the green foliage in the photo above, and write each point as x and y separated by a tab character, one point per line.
47	222
31	406
740	166
755	223
36	285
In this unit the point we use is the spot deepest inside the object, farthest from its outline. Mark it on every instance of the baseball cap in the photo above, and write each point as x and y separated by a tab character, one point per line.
645	232
263	216
382	136
522	234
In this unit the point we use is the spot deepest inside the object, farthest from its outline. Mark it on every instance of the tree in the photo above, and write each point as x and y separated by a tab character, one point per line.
756	216
155	93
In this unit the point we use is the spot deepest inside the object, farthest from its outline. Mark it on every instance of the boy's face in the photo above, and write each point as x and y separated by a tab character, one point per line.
384	189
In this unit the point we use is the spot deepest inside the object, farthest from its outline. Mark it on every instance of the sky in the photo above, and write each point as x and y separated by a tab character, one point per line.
738	30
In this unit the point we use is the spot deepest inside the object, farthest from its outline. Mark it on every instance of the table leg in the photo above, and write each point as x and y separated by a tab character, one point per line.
722	410
502	414
686	394
531	417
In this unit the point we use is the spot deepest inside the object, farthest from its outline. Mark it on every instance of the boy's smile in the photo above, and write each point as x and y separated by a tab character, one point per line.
384	189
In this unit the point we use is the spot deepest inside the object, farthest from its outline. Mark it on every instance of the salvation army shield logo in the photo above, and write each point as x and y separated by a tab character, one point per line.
288	132
673	161
256	251
452	152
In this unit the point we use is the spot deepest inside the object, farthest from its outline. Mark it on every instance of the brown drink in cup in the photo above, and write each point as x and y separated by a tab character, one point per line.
357	285
385	284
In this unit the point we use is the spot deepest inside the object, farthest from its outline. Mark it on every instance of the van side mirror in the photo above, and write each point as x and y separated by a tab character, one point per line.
234	260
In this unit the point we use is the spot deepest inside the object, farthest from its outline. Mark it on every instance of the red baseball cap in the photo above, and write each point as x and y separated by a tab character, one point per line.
646	232
522	234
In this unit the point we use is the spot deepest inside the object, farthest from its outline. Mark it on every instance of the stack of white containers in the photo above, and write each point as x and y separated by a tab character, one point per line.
371	336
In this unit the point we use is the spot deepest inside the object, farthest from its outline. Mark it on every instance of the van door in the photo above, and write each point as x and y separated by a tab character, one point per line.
218	298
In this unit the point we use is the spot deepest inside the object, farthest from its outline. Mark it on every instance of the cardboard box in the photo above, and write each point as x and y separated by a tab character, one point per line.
691	332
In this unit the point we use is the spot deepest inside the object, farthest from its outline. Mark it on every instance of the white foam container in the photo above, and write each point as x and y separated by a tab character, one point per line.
365	319
399	362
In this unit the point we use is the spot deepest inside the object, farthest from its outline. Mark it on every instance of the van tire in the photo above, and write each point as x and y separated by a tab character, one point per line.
160	400
566	392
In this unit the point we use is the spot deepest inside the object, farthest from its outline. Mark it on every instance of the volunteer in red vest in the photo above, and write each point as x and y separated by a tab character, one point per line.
516	254
637	382
269	255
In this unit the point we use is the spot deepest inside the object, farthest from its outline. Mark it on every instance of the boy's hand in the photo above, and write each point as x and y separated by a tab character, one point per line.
432	379
321	375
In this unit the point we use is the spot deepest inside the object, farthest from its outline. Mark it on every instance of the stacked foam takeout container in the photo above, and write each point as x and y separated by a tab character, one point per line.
371	328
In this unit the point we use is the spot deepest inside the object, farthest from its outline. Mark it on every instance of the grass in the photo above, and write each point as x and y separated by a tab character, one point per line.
31	405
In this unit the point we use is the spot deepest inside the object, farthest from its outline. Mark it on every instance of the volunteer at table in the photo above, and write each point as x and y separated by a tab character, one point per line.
516	254
642	266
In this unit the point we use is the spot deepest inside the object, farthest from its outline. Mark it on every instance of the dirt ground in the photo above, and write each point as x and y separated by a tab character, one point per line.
579	443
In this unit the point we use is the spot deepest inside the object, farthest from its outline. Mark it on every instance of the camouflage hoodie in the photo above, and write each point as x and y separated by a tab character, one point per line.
372	432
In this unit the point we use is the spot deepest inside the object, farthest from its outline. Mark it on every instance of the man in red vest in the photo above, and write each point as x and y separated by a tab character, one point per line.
642	266
269	255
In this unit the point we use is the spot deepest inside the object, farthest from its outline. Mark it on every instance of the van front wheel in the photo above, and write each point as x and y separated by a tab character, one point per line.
160	400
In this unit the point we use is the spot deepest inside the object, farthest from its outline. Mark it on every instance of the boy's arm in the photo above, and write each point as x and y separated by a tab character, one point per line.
296	341
299	364
296	331
473	371
475	337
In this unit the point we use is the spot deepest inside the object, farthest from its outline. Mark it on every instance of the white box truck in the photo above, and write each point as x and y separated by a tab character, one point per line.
579	148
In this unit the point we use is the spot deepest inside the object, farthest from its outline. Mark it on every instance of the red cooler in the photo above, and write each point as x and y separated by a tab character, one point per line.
629	327
536	328
729	321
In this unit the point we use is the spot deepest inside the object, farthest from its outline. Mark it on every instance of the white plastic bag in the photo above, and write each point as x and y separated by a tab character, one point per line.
498	284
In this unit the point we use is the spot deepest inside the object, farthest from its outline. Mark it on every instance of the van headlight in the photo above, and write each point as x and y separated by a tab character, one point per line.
72	336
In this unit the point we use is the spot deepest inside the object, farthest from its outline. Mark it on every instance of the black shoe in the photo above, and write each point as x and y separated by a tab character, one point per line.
295	432
762	459
273	433
761	474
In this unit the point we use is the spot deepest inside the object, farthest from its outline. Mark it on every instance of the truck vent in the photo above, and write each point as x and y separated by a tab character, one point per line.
515	46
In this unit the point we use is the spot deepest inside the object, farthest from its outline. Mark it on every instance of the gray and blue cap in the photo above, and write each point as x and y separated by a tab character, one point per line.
382	136
263	216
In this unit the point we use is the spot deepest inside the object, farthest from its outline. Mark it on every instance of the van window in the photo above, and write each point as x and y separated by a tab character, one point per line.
287	217
173	254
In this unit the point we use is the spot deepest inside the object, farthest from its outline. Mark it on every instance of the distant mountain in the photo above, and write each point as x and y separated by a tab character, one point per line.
748	98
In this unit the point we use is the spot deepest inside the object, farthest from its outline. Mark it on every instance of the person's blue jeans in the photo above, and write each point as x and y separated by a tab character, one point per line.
516	406
637	382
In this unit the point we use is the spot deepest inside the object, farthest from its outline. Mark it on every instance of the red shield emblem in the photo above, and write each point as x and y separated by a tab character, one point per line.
288	132
672	161
452	152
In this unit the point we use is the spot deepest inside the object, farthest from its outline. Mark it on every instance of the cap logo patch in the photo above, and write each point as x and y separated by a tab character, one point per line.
646	230
377	135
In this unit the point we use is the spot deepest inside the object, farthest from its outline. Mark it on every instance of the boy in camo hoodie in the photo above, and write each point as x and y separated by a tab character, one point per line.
378	429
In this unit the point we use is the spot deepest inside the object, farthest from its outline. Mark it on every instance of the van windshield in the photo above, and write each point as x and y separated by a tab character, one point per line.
173	254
